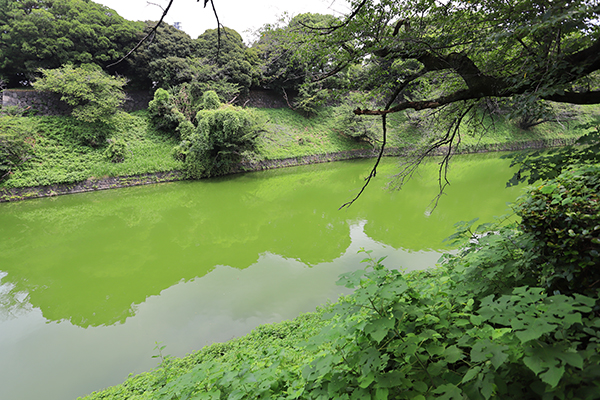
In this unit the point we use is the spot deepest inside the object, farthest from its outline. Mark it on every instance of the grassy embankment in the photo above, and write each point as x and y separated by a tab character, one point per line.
61	158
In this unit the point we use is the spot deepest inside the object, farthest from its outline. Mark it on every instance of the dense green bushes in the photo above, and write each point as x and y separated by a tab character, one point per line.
222	134
94	95
563	216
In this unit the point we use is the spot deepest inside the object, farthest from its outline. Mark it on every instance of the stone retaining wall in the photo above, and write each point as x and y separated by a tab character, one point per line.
48	103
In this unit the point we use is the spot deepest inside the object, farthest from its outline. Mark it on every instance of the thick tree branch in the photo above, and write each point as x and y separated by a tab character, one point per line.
592	97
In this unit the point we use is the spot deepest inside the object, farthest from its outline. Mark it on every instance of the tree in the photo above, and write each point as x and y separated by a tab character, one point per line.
290	60
223	134
166	45
94	95
225	49
49	33
465	52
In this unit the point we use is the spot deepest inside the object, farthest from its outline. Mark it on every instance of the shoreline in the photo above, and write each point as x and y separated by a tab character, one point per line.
95	184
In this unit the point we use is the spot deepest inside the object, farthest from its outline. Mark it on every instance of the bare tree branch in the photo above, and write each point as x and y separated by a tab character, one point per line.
153	30
155	27
374	170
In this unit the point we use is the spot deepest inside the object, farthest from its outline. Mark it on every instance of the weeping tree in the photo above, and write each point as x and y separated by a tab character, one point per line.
223	135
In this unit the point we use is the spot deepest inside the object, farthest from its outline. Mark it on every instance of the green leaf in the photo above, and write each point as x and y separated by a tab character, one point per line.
485	350
449	391
381	394
420	386
572	358
536	364
452	354
553	375
436	368
471	373
379	328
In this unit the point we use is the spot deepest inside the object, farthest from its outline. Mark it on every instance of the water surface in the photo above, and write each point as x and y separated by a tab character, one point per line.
90	282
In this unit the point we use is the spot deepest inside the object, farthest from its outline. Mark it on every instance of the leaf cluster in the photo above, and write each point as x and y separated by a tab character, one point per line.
563	216
50	33
16	144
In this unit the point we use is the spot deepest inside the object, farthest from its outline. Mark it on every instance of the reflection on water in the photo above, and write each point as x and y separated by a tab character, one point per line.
89	282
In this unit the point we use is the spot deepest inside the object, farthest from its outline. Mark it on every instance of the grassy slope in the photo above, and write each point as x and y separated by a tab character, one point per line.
61	158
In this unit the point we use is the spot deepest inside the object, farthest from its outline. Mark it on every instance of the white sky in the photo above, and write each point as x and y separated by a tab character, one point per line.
245	16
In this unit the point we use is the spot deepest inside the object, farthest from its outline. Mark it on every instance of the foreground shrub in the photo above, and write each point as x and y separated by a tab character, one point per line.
164	114
414	338
563	215
116	150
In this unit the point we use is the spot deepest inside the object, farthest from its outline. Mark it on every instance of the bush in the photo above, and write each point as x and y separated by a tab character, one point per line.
16	144
399	337
116	150
164	115
563	215
221	137
94	95
357	127
210	100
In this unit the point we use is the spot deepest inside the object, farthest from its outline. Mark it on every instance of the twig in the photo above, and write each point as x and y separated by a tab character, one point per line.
153	30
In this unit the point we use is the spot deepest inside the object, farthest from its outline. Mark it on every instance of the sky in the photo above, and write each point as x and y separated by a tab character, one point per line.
244	16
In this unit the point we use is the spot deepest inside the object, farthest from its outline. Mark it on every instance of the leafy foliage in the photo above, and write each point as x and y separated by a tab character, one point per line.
221	137
50	33
289	58
404	338
549	164
357	127
116	150
162	60
225	51
164	114
57	154
16	144
563	215
94	94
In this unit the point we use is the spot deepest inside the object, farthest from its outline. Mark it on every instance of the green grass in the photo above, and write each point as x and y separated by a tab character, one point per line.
289	134
61	156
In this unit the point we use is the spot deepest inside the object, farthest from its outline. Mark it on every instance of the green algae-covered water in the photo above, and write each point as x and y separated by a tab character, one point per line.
90	282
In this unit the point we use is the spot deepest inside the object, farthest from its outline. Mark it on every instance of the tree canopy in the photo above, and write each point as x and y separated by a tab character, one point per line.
50	33
493	48
456	54
165	45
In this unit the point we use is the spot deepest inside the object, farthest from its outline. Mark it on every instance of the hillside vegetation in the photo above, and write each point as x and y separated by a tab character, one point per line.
59	152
